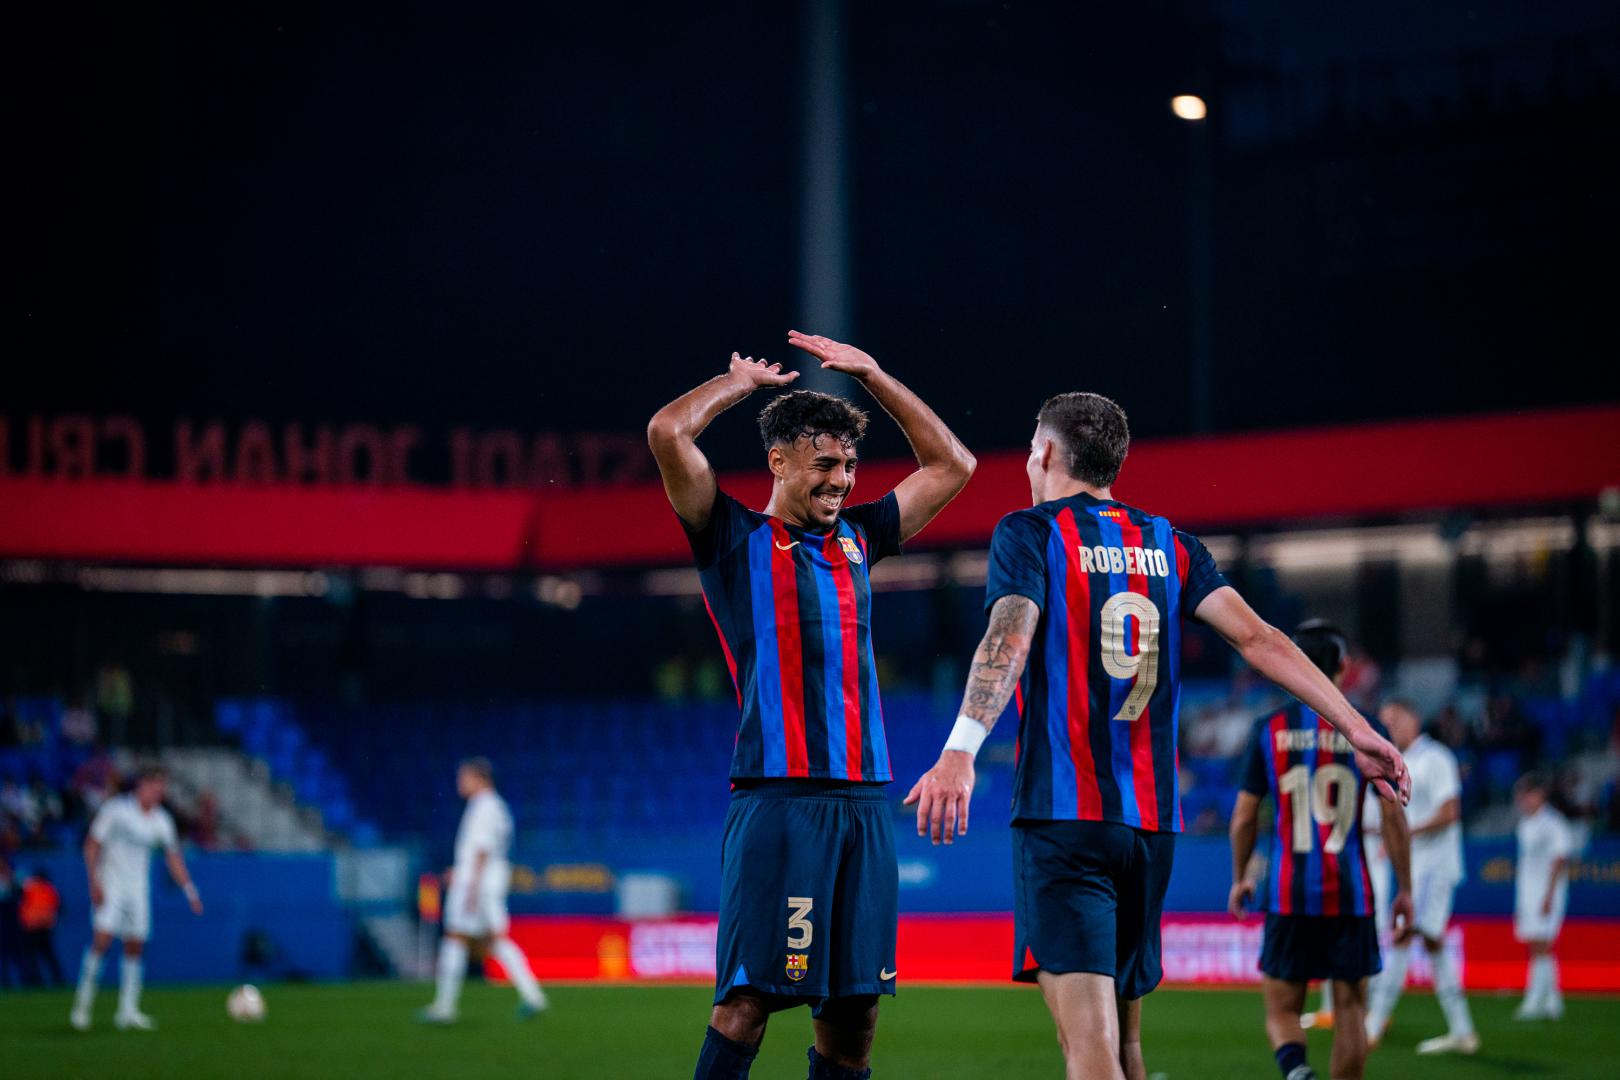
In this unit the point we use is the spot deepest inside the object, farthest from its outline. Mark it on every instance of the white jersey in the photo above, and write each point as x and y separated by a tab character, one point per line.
486	825
1544	838
127	834
1435	781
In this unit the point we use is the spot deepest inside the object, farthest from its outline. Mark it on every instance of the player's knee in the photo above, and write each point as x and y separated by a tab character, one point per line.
741	1018
133	948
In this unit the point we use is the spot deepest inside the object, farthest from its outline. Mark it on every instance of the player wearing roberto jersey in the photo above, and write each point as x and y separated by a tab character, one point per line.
1435	814
809	906
1541	892
117	856
1319	899
1086	598
475	909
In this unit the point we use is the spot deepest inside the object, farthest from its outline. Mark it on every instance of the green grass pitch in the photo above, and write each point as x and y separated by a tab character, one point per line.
628	1033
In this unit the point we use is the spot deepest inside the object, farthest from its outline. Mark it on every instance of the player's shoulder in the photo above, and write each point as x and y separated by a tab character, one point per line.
1037	517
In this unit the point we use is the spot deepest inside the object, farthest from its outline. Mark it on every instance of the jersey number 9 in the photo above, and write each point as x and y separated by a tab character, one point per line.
1119	661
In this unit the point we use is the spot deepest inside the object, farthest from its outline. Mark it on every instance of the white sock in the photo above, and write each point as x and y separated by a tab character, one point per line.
89	971
1448	988
452	969
1552	997
1327	997
1386	990
129	986
518	970
1535	984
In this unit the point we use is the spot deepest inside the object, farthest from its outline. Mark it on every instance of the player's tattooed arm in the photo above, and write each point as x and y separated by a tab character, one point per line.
943	794
1000	659
672	433
943	463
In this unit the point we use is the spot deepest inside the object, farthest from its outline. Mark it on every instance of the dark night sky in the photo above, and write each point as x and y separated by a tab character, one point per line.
561	217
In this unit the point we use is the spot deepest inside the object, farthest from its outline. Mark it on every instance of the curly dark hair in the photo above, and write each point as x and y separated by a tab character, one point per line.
1093	432
806	413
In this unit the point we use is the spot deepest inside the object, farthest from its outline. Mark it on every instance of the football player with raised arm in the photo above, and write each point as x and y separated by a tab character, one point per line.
809	903
1086	597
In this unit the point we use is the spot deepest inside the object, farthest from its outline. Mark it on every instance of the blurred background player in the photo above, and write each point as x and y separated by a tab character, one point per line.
1435	815
1541	891
37	912
1379	871
1086	597
475	906
810	900
117	857
1319	896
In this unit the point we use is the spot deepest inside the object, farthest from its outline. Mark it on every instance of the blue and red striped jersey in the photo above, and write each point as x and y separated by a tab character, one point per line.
1100	696
793	609
1317	864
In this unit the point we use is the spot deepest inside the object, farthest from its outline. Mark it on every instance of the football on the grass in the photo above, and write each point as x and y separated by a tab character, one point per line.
245	1005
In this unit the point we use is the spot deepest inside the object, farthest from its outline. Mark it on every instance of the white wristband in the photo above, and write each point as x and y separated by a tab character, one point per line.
968	735
190	890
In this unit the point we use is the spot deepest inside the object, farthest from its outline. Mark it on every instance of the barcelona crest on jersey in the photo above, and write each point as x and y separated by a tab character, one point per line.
852	550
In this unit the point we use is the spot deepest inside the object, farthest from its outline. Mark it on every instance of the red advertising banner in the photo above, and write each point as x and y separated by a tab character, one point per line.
217	517
1199	950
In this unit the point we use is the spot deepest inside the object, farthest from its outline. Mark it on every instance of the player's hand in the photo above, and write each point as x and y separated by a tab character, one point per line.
835	355
1401	917
1546	904
942	796
752	374
1382	765
196	906
98	895
1239	899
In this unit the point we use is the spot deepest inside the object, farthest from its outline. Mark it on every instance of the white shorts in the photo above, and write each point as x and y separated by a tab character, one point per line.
1431	904
1532	925
126	916
487	915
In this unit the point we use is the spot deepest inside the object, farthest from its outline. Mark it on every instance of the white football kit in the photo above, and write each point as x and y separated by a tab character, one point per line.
1379	869
1544	838
127	834
486	826
1437	857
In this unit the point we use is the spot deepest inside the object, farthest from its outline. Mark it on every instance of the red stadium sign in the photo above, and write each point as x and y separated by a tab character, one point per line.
1530	459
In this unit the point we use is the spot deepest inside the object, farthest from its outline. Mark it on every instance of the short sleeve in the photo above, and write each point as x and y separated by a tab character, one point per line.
1017	559
102	826
880	521
729	523
1201	576
168	836
1447	779
1561	839
1254	779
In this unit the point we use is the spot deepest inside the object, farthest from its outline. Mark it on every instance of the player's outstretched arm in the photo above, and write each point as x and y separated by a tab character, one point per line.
673	432
182	878
943	792
943	463
1270	652
1398	845
1241	831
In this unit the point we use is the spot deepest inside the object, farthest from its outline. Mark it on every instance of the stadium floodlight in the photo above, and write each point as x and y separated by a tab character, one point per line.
1189	107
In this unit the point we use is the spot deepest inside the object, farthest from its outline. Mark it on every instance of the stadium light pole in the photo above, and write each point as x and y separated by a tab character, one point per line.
1193	111
824	305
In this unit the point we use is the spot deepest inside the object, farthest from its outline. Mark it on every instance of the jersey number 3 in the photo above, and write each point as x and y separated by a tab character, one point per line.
1117	658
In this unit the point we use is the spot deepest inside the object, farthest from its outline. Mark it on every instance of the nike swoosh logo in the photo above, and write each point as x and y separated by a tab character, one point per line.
785	547
885	975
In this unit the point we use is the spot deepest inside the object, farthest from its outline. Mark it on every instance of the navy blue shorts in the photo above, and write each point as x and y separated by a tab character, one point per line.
1299	948
1088	896
809	903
